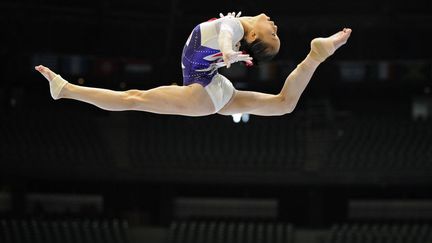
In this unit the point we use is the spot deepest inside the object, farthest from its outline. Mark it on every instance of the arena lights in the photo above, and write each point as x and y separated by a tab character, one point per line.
240	117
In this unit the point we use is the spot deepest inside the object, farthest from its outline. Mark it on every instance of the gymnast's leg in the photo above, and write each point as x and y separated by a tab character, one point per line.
190	100
262	104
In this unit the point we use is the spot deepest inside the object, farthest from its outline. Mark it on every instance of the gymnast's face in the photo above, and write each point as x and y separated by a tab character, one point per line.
266	30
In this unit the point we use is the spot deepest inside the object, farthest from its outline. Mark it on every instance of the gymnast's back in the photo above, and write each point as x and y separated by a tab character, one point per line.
202	51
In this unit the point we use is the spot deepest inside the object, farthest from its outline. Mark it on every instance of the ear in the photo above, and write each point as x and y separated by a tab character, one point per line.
251	36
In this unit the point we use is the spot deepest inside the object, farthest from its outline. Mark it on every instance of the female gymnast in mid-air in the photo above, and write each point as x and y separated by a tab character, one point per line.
211	45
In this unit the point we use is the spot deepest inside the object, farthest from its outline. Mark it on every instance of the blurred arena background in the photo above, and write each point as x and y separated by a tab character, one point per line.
352	163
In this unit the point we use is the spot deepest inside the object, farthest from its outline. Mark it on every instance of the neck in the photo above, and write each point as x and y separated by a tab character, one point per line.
247	23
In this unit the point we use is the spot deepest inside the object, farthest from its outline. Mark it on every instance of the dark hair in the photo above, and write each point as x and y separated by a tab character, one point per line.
258	50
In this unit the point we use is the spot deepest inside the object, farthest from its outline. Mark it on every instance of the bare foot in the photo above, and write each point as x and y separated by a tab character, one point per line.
56	82
46	72
322	48
341	37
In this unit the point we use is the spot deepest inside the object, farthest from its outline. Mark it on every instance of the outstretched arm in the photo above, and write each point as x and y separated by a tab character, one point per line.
271	105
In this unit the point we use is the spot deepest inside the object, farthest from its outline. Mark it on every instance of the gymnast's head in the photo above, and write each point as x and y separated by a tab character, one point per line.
260	40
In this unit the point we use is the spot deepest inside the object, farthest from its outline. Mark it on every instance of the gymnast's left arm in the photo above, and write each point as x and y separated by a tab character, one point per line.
225	41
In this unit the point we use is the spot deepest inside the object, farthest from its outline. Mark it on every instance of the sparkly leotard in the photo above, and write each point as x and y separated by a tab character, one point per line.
201	51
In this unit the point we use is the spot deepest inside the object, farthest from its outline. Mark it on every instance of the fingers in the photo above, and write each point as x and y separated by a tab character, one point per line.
236	57
232	14
249	63
243	57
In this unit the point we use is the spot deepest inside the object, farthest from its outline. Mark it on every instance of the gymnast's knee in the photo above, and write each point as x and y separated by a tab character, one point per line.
287	106
132	98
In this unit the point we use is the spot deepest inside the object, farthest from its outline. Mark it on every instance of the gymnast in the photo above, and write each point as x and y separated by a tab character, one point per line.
211	45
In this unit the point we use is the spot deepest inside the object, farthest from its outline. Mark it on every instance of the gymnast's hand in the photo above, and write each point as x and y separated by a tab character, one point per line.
231	56
232	14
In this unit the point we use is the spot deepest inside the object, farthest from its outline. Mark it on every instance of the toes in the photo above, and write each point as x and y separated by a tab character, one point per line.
344	34
347	30
43	69
46	72
39	68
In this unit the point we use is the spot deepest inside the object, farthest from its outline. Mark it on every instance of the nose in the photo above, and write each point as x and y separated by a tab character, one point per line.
267	17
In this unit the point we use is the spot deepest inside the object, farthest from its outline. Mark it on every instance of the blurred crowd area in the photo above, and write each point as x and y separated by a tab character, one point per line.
352	163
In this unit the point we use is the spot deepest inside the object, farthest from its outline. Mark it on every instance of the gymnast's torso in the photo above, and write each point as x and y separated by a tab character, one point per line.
201	52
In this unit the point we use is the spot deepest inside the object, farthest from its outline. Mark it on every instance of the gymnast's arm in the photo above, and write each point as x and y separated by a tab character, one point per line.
225	42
